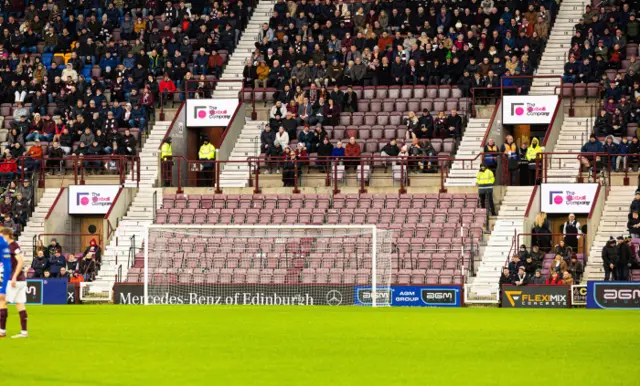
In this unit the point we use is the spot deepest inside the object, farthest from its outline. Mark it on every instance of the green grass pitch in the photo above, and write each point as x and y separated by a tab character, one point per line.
247	345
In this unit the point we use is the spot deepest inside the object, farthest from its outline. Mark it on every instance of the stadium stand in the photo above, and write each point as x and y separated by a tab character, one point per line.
394	68
428	230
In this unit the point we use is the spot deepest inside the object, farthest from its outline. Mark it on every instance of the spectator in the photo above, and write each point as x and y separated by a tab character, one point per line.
77	277
64	274
267	137
506	278
610	260
566	278
331	113
625	259
39	264
541	233
515	264
575	268
352	153
558	264
592	146
306	137
282	137
537	256
537	278
391	149
325	150
278	110
274	156
554	279
520	277
603	125
94	250
56	261
88	267
634	225
562	249
291	170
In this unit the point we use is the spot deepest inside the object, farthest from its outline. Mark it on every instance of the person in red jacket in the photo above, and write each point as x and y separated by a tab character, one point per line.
352	153
8	169
215	64
166	87
554	279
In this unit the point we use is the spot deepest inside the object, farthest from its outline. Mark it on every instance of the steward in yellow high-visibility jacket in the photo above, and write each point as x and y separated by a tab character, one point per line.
207	153
166	162
485	180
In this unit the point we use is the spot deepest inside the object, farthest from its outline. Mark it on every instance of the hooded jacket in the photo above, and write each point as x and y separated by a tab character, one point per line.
533	150
609	254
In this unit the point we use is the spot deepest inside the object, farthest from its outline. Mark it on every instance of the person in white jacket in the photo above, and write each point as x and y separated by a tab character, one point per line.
278	109
282	137
69	71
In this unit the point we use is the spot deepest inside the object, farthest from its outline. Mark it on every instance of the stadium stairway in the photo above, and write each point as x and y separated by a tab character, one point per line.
573	134
555	53
613	223
247	145
468	150
35	225
234	68
139	214
510	220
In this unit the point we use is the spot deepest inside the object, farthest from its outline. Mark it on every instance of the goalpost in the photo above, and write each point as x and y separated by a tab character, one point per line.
267	264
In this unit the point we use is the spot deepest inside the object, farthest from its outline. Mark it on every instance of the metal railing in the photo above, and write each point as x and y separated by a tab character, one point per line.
79	166
601	165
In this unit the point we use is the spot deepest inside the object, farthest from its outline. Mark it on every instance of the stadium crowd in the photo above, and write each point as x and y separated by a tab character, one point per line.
50	262
317	57
80	79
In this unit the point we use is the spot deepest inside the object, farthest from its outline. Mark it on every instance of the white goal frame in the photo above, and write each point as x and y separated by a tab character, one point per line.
370	228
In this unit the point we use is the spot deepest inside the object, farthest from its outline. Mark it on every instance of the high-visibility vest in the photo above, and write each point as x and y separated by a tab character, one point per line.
165	151
485	179
207	151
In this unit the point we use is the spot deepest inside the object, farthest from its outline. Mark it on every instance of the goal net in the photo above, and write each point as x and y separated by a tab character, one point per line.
267	265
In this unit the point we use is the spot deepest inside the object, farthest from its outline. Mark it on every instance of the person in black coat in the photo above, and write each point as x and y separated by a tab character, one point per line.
625	258
506	278
324	152
610	260
350	101
290	168
40	264
266	139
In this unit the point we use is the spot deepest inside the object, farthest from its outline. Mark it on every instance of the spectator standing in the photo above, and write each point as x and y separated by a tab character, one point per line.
625	259
610	260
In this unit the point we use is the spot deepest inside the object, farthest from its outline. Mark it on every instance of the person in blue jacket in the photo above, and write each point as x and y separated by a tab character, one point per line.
592	146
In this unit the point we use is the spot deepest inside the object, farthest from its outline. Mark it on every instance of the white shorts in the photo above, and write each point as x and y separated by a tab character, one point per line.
17	294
